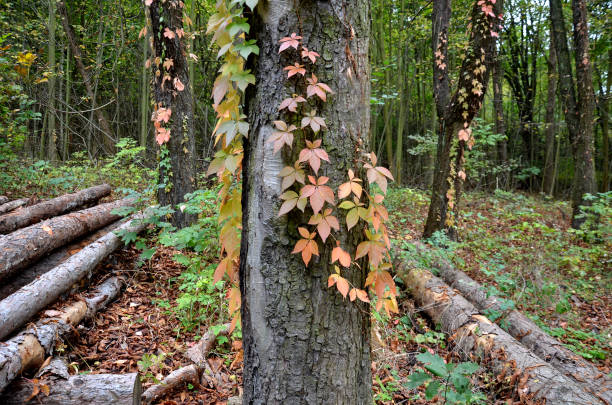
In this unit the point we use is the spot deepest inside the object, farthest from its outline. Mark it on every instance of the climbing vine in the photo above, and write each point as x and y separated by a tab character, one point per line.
302	186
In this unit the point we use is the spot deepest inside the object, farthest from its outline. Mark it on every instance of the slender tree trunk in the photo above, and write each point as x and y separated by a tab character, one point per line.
578	110
463	107
66	138
549	162
104	126
303	344
605	119
144	94
171	90
52	135
500	125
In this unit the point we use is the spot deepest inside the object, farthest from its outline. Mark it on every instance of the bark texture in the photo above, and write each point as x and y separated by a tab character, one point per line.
303	344
19	307
178	174
530	335
64	389
578	110
29	274
3	199
51	208
12	205
25	246
29	348
187	374
463	107
548	179
476	335
500	124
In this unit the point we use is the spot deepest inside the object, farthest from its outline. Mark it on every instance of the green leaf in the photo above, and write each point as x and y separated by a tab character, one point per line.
436	365
432	390
235	27
246	48
243	79
416	380
466	368
147	254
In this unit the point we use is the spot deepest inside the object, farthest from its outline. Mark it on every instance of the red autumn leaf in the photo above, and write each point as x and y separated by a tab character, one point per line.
315	122
317	88
313	155
178	84
284	135
295	69
162	135
292	41
377	174
291	103
168	33
325	222
318	193
180	32
168	63
341	255
312	55
307	246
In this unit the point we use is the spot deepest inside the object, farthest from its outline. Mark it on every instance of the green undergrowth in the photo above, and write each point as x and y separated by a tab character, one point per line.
522	249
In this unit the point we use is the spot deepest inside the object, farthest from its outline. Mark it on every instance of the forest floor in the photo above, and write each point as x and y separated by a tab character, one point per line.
517	245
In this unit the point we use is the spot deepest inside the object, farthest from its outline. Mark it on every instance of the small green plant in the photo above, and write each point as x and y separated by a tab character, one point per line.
151	363
597	216
449	381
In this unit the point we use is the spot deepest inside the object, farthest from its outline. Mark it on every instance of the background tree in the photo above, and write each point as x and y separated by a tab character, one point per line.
294	326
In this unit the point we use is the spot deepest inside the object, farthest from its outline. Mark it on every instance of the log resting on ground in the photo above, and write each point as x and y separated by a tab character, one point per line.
188	374
12	205
51	208
19	307
3	199
64	389
28	349
23	247
529	334
474	334
29	274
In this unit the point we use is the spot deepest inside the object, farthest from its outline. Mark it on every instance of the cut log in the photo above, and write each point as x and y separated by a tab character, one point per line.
12	205
28	349
474	334
23	247
530	335
3	199
30	273
51	208
188	374
198	352
18	308
64	389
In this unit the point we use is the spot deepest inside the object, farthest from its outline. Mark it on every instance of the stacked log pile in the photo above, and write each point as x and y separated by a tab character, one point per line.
42	259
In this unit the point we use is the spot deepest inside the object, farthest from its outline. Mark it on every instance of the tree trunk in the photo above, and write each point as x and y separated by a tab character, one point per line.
52	135
12	205
104	126
177	168
145	87
28	349
500	125
549	162
19	307
64	389
25	246
475	335
293	325
51	208
578	111
25	277
463	107
529	334
605	120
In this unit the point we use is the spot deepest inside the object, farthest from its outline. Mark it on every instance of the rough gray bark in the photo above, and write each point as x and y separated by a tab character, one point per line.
51	208
3	199
19	307
303	344
29	348
25	246
530	335
178	174
475	335
29	274
64	389
13	205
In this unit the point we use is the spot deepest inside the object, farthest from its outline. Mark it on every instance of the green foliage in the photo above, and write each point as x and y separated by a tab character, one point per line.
449	381
597	216
150	364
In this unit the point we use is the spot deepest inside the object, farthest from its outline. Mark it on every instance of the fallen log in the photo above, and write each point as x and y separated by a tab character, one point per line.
474	334
52	208
19	307
28	349
529	334
191	373
12	205
23	247
64	389
42	266
3	199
